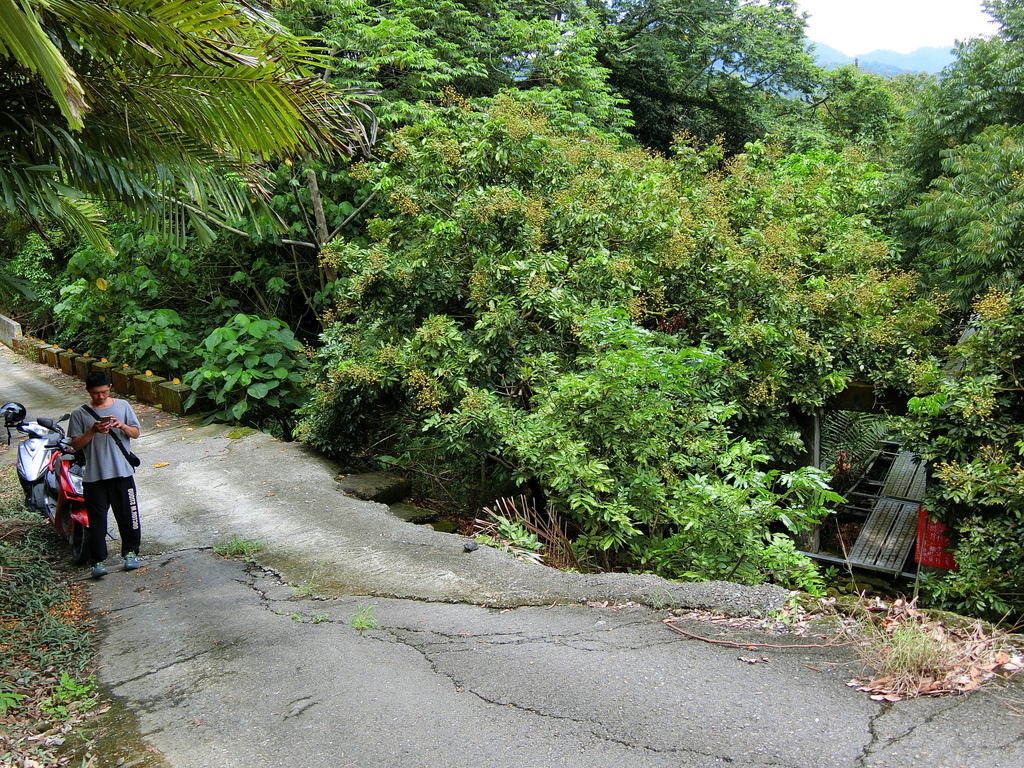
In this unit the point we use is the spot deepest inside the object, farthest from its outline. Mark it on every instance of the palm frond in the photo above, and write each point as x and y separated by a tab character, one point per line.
23	39
11	285
220	70
84	218
187	99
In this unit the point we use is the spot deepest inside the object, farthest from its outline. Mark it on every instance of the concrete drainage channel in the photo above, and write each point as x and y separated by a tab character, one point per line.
392	491
421	516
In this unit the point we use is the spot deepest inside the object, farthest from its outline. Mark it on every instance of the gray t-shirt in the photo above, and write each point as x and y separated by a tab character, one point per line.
103	459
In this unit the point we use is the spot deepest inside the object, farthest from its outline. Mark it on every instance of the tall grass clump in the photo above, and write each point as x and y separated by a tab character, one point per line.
45	641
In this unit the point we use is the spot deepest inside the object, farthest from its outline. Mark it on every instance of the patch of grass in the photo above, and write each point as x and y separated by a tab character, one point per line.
363	619
911	651
12	499
913	654
236	546
44	626
239	433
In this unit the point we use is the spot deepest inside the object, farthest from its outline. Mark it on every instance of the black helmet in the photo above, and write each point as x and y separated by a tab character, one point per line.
13	413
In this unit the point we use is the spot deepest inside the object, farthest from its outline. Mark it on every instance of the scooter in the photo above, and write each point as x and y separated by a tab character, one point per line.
49	476
33	453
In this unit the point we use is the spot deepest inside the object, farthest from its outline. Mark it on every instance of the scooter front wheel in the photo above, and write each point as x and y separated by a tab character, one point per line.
78	539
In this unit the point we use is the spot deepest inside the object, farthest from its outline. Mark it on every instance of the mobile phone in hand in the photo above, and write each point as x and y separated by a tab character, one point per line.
106	419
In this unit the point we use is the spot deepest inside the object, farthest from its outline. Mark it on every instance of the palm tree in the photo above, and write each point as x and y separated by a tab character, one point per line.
168	107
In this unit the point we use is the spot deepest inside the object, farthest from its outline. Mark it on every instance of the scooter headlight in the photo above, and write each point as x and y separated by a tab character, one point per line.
76	483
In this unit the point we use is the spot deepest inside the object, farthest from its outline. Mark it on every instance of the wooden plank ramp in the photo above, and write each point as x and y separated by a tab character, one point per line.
887	536
906	478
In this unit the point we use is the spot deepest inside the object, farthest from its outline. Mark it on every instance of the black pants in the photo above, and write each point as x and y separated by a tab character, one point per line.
118	495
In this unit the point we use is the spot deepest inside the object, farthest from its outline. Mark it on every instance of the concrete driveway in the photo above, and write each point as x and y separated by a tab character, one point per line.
476	660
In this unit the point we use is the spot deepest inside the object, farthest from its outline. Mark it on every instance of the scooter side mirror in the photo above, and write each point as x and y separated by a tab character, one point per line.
52	425
65	417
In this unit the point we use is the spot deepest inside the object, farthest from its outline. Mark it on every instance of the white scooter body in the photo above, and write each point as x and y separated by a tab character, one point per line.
34	454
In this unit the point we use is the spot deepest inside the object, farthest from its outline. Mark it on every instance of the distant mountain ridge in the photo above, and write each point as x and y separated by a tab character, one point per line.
888	63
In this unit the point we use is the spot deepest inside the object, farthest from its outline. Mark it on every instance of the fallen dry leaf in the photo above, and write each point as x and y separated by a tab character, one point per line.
161	464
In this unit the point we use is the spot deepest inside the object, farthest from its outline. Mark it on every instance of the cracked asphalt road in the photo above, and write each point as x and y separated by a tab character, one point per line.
477	661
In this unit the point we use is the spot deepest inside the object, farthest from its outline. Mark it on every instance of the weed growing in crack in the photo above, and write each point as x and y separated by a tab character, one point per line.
363	618
316	618
236	546
660	599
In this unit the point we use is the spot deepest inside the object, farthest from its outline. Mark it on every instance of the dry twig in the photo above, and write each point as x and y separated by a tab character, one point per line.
669	623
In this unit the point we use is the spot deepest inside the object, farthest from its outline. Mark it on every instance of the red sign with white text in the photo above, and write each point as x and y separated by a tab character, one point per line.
932	542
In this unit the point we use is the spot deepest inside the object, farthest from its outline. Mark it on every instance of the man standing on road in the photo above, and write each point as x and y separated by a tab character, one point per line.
109	478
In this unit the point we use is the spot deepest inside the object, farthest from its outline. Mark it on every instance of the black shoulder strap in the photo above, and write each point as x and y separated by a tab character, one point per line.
117	440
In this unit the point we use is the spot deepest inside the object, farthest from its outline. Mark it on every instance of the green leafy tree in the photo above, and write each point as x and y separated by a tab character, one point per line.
964	229
705	67
798	286
108	299
968	426
407	51
404	52
982	88
857	106
632	446
28	274
971	221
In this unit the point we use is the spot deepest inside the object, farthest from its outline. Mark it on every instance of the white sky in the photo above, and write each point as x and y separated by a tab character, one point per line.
860	26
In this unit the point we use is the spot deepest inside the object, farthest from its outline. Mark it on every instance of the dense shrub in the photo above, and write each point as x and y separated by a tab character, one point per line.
250	371
158	340
630	336
969	429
